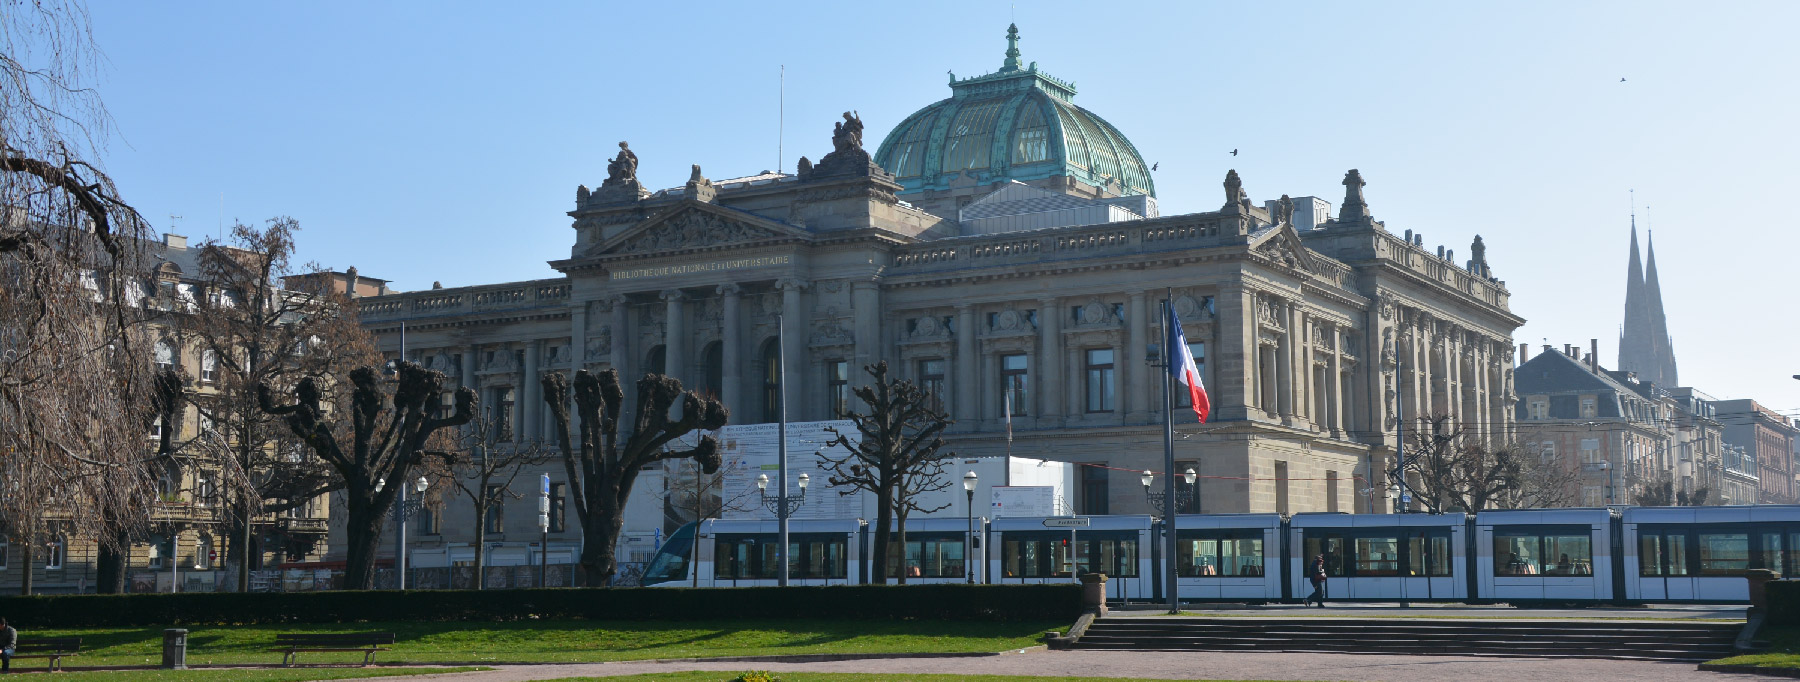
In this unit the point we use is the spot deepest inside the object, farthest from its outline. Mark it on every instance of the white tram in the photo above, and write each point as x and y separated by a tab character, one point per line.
1228	557
1530	555
1029	552
1700	554
1380	556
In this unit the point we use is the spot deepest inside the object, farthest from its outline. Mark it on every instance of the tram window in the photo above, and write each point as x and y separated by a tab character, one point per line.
1332	547
1724	553
1115	557
1202	554
1547	551
1036	558
1428	555
1768	555
671	562
1662	553
753	557
1377	557
927	558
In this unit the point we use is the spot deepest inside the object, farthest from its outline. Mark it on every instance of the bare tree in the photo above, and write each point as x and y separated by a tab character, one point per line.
251	332
385	443
701	495
602	469
897	459
1454	471
482	467
75	381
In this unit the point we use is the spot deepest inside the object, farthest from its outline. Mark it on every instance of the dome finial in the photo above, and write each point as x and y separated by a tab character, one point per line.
1012	49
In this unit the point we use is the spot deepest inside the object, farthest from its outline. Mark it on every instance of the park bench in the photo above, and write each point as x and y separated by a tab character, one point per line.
53	648
292	644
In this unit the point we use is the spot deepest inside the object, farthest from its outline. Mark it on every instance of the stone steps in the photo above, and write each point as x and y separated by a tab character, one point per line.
1652	640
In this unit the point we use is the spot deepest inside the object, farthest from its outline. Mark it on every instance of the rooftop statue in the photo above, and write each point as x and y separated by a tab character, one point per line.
1354	206
623	168
847	135
1284	211
1234	190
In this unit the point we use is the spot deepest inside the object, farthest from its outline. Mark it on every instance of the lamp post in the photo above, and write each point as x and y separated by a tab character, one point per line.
1159	501
782	506
969	482
1607	467
543	529
403	509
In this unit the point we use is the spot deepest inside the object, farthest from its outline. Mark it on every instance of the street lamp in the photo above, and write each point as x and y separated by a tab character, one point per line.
782	505
1607	467
1158	500
969	481
403	510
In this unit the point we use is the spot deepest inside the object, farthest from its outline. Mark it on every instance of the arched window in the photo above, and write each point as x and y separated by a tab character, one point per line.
165	356
714	376
657	362
771	362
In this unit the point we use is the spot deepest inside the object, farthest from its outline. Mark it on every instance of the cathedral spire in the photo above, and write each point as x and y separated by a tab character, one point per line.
1012	49
1662	347
1644	343
1630	338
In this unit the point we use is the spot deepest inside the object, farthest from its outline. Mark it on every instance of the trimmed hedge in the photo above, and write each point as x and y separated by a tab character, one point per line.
1784	602
857	602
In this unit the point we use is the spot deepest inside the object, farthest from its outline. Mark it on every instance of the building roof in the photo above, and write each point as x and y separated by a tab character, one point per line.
1017	123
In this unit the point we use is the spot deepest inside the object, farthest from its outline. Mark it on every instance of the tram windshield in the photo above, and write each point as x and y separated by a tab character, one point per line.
671	562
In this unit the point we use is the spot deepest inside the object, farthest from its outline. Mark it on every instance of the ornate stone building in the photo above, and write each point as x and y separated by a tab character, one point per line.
1004	248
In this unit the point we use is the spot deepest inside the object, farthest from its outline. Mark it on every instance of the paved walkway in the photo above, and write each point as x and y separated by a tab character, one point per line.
1170	665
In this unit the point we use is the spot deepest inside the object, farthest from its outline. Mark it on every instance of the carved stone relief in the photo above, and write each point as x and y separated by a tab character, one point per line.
693	229
832	332
599	345
925	329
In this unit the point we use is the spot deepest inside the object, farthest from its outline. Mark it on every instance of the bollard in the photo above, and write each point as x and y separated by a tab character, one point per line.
1759	593
174	649
1093	593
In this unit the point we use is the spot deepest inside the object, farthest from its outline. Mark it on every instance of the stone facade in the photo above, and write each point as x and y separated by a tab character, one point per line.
1767	439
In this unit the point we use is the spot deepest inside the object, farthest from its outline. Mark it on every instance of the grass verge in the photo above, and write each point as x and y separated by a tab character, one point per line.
1783	651
562	641
249	675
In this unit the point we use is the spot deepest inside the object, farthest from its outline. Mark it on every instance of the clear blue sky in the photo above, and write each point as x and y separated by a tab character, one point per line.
444	141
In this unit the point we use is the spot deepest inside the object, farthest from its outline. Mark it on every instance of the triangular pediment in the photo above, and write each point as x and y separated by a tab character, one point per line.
698	226
1282	245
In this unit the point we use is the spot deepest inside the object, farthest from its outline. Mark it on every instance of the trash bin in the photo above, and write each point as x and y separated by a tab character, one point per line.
175	649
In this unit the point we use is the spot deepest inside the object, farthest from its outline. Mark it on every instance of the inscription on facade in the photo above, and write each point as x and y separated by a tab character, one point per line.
712	266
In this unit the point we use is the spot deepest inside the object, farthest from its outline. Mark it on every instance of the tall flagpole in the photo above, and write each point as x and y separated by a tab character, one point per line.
781	488
1170	504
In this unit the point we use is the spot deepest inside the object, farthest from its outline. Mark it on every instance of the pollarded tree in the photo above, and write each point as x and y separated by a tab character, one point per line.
602	469
386	442
898	459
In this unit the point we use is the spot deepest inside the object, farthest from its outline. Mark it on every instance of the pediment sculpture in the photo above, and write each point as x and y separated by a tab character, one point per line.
1094	312
831	333
599	347
928	328
691	230
1190	309
1011	321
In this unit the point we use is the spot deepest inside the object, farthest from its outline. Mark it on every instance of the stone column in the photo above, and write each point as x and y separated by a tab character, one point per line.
1136	390
731	372
675	335
793	327
532	396
1284	365
623	349
1234	360
1050	362
467	380
1336	392
865	298
968	370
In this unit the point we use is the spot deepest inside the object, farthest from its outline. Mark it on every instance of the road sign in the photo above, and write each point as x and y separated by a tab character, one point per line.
1066	522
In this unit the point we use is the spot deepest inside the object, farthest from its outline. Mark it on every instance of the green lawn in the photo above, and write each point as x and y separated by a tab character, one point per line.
715	676
561	641
1783	652
248	675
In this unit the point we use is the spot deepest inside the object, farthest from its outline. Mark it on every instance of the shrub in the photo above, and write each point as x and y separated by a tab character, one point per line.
1784	602
856	602
757	676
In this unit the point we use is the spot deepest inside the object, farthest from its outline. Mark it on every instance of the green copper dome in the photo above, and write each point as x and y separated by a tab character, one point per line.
1013	124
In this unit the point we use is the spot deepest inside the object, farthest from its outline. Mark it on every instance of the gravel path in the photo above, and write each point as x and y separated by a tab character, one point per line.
1171	665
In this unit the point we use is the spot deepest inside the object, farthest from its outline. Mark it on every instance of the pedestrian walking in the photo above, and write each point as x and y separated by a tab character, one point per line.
1316	573
9	640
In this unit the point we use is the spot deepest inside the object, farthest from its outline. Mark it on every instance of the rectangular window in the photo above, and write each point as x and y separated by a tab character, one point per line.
1101	392
1724	553
1662	552
209	367
1093	488
59	549
1378	552
1013	374
1590	451
931	380
495	520
428	521
753	557
1559	551
558	507
927	555
1593	496
1205	553
1537	408
5	550
503	414
1051	554
837	386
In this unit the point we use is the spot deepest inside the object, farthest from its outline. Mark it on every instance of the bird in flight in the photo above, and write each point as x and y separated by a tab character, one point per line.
1621	80
1154	165
1234	152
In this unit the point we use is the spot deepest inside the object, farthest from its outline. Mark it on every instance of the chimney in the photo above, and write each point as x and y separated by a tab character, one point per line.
174	241
1594	354
1524	352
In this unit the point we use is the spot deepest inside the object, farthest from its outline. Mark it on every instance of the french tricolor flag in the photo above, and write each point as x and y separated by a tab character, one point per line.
1182	368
